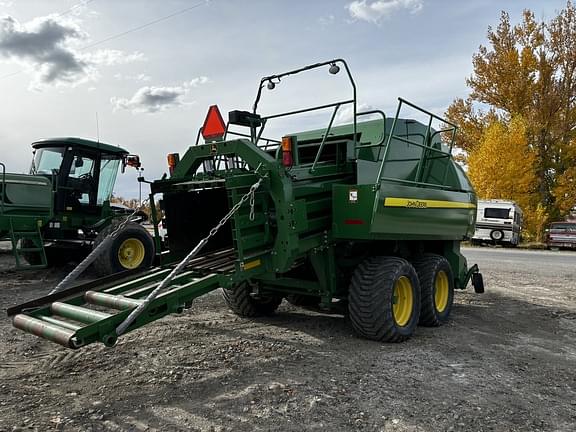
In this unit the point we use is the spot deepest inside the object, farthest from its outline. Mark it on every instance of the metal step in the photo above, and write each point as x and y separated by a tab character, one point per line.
17	237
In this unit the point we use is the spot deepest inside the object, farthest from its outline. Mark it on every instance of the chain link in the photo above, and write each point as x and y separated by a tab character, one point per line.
252	205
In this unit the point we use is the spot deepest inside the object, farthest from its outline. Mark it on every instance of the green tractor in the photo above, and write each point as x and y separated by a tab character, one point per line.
62	208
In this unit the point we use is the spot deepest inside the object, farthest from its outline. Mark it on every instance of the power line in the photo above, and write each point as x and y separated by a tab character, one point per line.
126	32
148	24
76	6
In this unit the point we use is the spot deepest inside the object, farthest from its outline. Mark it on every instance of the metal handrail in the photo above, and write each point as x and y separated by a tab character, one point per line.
426	145
278	77
379	143
319	152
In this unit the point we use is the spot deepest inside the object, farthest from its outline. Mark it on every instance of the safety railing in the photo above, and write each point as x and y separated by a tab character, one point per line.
272	80
426	147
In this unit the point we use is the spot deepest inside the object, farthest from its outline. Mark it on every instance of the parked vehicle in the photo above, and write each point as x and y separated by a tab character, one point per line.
561	235
498	222
61	209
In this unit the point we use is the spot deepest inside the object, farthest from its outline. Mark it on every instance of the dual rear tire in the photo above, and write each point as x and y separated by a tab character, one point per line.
389	296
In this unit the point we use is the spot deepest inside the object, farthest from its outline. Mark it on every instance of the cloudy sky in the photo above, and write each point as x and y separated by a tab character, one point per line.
149	69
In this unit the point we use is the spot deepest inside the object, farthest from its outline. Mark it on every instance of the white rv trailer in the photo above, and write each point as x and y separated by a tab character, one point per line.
498	222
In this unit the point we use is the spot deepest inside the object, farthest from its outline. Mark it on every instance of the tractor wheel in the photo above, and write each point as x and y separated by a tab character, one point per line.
384	299
133	248
243	303
436	289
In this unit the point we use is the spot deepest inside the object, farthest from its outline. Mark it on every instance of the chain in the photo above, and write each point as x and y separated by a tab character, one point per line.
182	264
127	220
251	205
96	252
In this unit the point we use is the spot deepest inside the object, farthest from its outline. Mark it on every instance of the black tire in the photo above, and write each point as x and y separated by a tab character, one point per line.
109	261
436	289
372	299
241	301
497	235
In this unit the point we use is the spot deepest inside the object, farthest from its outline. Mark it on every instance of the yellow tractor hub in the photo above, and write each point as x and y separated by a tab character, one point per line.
131	253
403	301
441	290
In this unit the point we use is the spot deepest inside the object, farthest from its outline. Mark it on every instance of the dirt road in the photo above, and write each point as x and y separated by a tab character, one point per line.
506	362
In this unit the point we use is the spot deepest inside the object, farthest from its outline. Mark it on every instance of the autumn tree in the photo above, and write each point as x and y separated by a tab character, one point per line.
495	170
528	70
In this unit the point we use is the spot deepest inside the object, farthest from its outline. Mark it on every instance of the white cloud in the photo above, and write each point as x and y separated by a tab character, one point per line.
6	4
374	11
45	48
115	57
346	114
139	77
152	99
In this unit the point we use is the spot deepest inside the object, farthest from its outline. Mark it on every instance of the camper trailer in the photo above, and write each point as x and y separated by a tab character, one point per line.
498	222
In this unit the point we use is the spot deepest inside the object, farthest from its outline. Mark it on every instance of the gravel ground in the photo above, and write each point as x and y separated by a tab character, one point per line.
505	362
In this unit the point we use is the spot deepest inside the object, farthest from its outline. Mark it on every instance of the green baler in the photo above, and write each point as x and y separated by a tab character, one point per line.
364	219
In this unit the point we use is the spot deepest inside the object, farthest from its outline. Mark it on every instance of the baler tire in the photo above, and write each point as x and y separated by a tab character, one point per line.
108	262
242	303
371	298
436	289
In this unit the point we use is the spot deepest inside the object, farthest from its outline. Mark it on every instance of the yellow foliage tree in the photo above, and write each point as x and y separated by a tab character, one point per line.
502	166
527	69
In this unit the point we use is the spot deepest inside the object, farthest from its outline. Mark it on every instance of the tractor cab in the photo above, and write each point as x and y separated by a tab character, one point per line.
83	171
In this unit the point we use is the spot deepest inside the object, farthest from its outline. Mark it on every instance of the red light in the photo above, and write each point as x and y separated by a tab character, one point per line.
353	221
287	159
214	126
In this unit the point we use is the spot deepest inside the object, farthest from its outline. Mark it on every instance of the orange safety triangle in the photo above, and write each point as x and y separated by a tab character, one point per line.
214	126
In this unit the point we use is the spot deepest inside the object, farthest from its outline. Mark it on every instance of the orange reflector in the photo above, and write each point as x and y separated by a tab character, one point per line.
287	143
173	159
214	126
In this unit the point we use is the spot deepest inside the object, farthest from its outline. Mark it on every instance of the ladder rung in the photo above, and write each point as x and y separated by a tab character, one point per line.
60	323
78	313
29	249
60	335
111	301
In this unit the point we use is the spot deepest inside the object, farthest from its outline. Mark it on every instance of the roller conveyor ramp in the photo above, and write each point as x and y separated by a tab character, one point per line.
90	312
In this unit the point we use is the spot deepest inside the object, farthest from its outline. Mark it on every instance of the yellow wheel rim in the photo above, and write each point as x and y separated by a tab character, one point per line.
441	290
403	301
131	253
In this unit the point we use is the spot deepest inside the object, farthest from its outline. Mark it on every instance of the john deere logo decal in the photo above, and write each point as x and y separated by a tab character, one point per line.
416	204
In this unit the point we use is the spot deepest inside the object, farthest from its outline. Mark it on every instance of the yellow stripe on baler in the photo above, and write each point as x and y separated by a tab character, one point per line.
422	203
